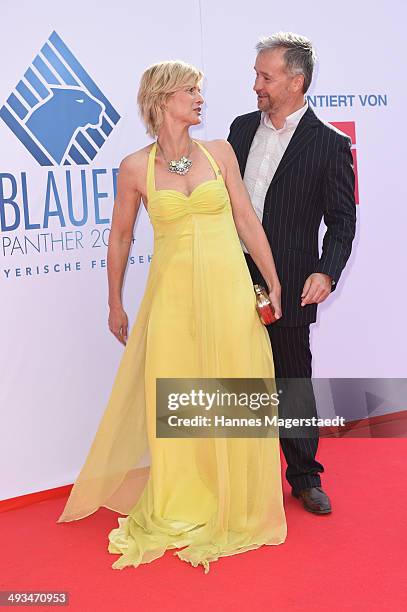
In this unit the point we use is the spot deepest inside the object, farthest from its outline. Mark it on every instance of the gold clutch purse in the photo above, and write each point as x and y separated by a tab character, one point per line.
263	305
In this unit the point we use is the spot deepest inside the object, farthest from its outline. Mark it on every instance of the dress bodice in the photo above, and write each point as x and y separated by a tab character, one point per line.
170	205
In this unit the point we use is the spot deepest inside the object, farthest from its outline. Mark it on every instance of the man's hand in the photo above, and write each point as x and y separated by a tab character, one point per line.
316	289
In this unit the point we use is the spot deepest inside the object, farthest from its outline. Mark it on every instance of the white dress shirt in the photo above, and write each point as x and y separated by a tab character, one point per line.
266	151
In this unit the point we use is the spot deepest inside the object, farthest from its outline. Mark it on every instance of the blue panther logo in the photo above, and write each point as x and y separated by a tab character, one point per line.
57	111
56	121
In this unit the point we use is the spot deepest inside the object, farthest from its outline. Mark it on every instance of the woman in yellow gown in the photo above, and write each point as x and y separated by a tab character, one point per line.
206	497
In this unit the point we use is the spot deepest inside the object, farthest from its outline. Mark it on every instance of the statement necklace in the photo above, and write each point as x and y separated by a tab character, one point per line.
181	165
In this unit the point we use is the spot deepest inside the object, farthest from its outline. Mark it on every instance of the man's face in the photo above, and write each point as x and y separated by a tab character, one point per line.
274	85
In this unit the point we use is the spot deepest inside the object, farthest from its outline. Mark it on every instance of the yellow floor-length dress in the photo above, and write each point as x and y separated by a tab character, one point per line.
206	497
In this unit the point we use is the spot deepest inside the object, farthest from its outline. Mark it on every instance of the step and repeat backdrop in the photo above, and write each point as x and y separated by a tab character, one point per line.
68	116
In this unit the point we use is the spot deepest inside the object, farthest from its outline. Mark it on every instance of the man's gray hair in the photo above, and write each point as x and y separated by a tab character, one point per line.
299	55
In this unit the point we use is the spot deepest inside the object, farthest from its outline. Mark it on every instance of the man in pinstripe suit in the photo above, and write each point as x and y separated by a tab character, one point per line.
297	170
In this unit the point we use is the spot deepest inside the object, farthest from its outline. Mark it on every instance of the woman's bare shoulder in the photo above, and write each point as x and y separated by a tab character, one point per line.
134	165
219	148
137	158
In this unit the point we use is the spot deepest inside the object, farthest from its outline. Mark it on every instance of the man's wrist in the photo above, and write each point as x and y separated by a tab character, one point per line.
332	280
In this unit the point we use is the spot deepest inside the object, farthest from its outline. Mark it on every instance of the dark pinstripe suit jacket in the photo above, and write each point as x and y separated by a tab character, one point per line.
314	180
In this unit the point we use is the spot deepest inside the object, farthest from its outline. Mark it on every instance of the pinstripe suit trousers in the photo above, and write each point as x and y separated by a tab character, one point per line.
292	359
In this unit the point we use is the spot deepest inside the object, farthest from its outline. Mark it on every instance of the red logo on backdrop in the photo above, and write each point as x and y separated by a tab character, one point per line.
348	128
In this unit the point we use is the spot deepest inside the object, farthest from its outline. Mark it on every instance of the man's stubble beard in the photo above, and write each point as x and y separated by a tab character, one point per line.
264	105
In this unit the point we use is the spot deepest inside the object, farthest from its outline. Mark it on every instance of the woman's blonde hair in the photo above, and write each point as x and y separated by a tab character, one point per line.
158	82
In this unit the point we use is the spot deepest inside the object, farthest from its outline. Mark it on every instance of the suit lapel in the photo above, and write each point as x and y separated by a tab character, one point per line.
303	134
245	138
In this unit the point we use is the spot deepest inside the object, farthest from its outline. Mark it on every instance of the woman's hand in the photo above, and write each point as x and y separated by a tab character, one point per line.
275	299
118	323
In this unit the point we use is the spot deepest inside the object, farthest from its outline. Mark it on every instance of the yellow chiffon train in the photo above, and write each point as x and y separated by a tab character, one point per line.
206	497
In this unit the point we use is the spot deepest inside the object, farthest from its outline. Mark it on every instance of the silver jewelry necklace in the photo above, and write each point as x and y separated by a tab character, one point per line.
181	165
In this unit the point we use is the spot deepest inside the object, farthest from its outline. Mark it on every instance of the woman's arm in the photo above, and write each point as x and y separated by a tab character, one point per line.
125	210
249	227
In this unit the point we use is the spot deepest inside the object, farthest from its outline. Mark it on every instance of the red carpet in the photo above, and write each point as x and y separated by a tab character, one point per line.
351	559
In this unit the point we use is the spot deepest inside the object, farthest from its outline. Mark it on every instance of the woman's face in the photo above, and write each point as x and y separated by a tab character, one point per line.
185	105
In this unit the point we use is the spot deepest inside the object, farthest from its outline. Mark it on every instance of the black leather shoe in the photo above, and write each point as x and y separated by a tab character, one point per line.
314	500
